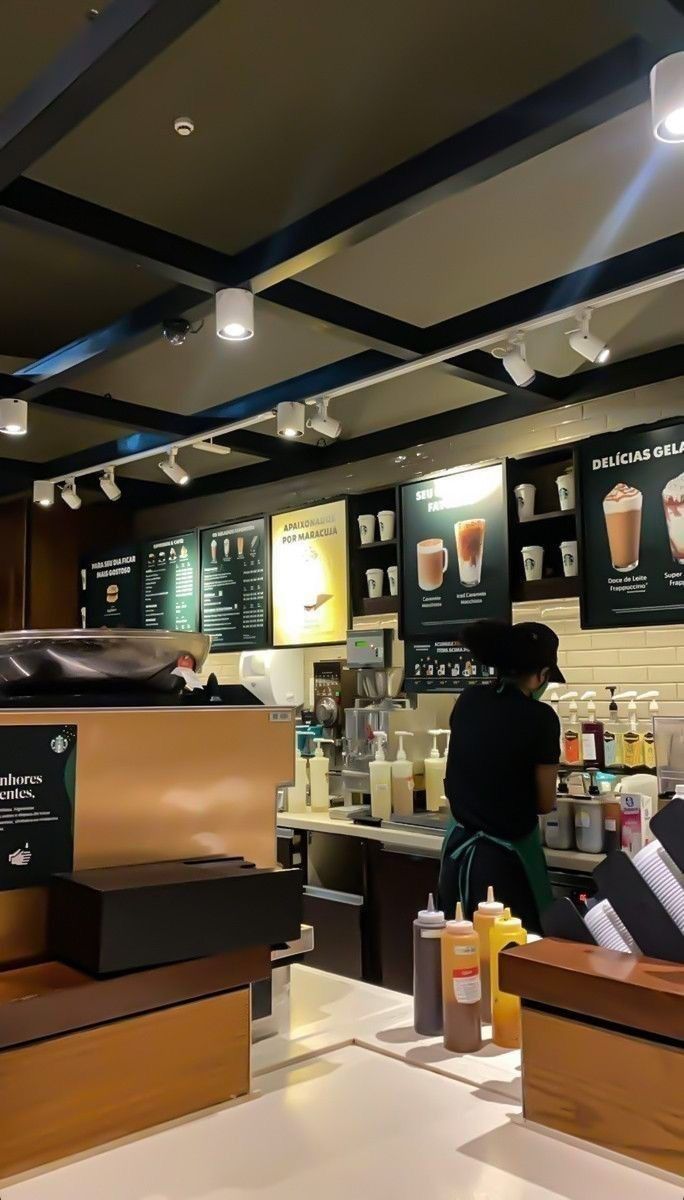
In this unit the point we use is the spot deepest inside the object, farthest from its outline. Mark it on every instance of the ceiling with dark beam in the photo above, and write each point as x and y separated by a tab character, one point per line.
392	180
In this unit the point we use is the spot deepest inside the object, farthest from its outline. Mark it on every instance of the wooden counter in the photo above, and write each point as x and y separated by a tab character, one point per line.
602	1046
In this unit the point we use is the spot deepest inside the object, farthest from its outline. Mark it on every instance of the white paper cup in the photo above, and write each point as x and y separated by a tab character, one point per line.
375	577
393	577
524	498
367	529
566	490
569	556
386	524
533	561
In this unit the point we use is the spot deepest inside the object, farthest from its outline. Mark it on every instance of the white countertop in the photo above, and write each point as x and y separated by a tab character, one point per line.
416	839
370	1110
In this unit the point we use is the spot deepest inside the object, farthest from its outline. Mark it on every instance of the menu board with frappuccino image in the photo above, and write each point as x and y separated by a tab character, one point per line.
454	550
309	575
234	585
171	583
632	524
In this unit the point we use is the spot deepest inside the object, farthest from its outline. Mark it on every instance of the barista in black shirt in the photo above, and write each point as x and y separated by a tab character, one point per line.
502	772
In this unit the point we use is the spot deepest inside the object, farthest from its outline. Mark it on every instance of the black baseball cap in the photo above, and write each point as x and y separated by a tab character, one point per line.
535	645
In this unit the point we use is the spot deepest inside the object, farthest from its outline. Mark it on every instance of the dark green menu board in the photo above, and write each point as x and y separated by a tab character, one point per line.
235	584
110	590
631	488
454	551
170	592
37	787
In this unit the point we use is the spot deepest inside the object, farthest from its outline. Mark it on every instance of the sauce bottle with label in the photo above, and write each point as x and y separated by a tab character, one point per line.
612	734
648	731
572	744
506	931
461	988
483	918
427	970
612	823
633	741
592	735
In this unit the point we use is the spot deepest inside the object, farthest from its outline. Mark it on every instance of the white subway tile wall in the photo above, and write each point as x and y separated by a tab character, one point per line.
630	659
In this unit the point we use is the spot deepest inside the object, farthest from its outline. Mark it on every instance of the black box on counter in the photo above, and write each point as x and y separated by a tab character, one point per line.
115	919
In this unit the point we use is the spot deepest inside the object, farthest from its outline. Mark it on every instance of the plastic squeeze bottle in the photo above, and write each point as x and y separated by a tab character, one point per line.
402	779
506	931
319	782
483	918
427	970
380	779
296	795
461	988
435	769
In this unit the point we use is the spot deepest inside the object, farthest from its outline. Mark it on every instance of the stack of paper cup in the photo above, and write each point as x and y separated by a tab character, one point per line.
533	562
569	556
393	577
608	930
367	529
524	498
374	578
386	525
566	490
664	878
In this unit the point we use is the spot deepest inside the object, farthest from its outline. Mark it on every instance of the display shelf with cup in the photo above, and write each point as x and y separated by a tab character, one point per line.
373	589
542	514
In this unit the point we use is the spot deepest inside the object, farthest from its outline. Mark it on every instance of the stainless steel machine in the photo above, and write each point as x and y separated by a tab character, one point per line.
378	688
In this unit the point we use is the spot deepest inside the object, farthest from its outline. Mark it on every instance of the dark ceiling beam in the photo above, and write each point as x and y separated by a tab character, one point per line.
635	372
121	336
143	418
346	370
586	97
105	54
574	289
580	100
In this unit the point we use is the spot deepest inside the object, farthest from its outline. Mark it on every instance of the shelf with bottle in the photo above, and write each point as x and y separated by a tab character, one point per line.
624	744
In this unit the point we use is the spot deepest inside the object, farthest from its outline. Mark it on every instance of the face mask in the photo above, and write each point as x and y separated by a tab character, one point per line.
539	692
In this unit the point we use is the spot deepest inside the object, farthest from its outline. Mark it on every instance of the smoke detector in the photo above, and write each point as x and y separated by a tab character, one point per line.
184	126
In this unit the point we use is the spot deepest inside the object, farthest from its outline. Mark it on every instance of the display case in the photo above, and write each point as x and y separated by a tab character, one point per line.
370	562
541	521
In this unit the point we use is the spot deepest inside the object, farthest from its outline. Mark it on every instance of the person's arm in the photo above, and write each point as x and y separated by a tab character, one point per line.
546	779
546	759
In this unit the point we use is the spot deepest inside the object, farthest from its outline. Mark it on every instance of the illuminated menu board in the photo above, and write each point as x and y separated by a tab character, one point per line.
234	585
170	592
310	575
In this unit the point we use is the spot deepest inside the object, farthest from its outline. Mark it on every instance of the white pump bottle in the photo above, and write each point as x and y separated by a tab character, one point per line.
402	779
319	782
380	771
435	769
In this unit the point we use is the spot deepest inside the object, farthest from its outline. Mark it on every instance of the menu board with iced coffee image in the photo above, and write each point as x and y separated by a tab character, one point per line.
454	550
632	527
234	584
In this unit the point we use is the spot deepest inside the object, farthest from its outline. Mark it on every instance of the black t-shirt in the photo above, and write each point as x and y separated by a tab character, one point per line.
498	737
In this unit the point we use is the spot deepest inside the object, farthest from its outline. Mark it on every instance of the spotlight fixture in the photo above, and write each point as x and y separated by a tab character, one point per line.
173	470
69	494
667	98
184	126
43	493
322	423
235	314
13	417
514	359
290	419
585	343
108	484
211	447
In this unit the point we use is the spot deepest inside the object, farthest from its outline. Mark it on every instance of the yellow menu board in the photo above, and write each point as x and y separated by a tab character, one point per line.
310	576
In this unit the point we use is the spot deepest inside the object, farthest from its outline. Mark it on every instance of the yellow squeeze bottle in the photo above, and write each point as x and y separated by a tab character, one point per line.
506	931
484	917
